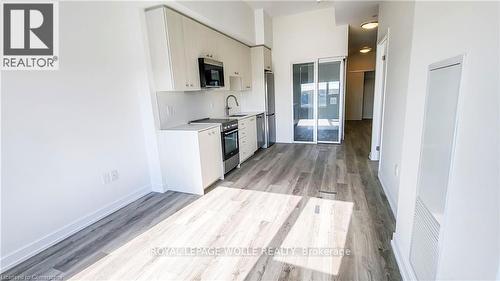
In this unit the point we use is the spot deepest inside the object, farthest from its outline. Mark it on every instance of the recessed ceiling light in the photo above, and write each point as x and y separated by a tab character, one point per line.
365	50
370	25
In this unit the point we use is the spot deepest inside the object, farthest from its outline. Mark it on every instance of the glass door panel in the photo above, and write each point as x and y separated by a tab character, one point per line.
329	103
303	102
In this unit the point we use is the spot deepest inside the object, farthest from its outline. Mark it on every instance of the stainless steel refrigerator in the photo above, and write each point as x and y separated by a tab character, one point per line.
270	118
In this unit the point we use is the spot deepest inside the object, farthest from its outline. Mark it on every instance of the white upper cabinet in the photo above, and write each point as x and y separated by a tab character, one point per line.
246	68
237	64
194	40
267	59
176	42
166	50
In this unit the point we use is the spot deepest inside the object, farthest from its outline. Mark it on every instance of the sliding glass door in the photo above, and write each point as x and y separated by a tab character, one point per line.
318	99
303	102
330	74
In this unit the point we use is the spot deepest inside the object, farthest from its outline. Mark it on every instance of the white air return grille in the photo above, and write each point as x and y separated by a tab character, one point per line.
438	138
424	244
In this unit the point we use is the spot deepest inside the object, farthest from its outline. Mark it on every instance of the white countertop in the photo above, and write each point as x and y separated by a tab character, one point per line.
193	127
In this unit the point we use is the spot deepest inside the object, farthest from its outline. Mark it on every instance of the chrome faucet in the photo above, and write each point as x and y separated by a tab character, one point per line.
227	103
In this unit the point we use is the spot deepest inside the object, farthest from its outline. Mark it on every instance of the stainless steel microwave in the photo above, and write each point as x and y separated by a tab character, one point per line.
211	73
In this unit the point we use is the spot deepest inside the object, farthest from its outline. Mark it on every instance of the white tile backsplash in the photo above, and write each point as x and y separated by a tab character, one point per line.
176	108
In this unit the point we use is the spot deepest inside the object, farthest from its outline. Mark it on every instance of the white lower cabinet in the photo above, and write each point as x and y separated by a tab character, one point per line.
247	137
190	160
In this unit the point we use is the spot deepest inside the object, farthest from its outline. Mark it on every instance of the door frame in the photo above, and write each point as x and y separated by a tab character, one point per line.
341	97
315	90
315	62
379	98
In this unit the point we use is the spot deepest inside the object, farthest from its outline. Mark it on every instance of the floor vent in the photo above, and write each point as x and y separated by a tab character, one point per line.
424	243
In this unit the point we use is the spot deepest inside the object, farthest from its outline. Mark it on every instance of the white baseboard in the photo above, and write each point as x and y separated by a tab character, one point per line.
374	156
404	268
392	203
20	255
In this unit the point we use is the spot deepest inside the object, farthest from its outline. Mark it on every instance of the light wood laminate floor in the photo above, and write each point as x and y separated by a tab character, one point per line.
292	197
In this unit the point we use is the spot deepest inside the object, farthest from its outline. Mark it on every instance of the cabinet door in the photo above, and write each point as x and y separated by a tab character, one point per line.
246	67
209	45
205	156
193	40
267	59
252	134
176	48
210	156
226	54
166	47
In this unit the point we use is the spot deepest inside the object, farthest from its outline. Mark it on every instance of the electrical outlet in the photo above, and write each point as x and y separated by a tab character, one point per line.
106	178
114	175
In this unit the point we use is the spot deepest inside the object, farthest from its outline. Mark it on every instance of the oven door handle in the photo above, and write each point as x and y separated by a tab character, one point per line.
230	132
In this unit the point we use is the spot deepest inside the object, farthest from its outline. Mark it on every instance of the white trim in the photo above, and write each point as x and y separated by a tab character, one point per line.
379	99
404	267
28	251
392	202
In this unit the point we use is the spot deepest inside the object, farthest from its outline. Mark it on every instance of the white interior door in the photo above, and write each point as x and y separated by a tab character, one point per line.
378	99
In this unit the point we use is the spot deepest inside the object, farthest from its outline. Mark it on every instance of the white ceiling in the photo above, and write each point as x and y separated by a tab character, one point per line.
346	12
355	12
282	8
352	13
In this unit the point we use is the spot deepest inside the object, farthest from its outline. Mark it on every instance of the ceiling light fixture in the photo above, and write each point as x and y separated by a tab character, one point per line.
365	50
370	25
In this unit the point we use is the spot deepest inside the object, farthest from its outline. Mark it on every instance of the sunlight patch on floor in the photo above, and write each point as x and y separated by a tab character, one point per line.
224	218
322	225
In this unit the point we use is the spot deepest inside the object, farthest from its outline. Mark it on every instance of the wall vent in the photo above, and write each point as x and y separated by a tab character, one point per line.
424	243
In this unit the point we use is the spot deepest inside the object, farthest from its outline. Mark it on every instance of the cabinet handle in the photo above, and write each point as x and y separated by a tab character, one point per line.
248	87
191	85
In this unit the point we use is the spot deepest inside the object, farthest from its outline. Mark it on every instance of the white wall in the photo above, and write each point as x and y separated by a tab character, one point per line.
398	17
61	130
299	37
234	18
357	64
471	228
368	94
263	28
361	62
354	95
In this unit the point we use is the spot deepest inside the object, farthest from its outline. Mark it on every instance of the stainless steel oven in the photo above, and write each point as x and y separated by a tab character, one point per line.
230	143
